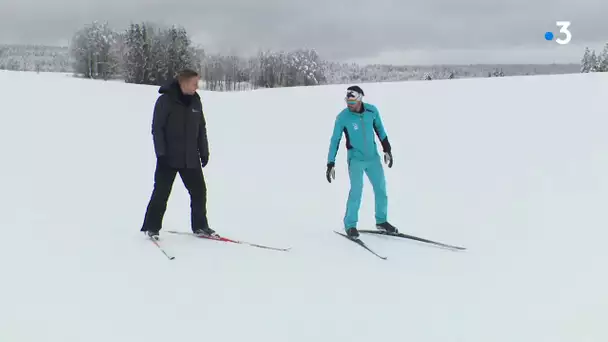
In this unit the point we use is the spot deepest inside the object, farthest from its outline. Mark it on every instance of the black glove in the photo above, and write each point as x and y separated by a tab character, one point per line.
204	160
330	173
388	159
388	156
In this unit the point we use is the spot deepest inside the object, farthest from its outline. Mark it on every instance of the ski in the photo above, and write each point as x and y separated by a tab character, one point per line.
217	237
157	243
362	244
411	237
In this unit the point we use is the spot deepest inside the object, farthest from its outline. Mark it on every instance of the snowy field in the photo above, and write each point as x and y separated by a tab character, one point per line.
515	169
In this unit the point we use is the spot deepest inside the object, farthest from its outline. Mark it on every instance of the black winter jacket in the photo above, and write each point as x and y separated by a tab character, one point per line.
179	128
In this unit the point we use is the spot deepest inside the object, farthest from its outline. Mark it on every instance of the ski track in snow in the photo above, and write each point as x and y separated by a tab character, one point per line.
515	169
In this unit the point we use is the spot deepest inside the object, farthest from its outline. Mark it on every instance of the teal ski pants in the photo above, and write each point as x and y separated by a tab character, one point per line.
375	173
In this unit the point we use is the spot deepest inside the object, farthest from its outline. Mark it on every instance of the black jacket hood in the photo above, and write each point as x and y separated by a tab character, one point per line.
174	90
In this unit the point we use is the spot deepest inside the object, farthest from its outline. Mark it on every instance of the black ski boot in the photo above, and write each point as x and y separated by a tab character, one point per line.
387	227
152	235
352	233
206	231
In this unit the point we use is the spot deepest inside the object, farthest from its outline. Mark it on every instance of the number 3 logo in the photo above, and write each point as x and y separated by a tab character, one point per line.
563	25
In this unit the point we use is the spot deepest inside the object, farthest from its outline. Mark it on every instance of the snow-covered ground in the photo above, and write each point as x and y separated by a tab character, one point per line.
515	169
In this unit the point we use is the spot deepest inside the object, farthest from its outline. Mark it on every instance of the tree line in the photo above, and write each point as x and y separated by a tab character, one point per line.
592	62
146	53
37	58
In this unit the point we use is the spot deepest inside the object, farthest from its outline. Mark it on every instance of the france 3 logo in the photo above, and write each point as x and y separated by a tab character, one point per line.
564	29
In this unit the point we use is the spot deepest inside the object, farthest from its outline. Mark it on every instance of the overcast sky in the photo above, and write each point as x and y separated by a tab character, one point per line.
384	31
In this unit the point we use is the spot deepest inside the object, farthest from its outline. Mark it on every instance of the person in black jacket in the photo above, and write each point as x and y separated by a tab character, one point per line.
180	142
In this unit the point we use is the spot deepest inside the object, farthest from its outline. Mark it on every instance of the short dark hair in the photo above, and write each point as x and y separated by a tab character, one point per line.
357	89
186	74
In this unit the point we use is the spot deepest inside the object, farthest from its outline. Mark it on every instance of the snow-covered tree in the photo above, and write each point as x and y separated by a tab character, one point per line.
92	53
155	55
159	72
498	73
602	63
585	66
593	62
304	68
134	57
300	67
180	53
267	71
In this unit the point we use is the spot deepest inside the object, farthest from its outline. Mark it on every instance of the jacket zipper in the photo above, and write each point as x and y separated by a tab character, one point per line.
186	136
364	138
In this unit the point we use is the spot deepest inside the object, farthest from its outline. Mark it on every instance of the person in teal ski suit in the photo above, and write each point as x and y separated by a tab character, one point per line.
360	123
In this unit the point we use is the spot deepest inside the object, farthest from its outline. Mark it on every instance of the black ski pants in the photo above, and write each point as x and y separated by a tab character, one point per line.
164	177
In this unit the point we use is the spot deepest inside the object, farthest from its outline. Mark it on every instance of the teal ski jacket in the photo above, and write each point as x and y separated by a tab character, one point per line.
360	130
